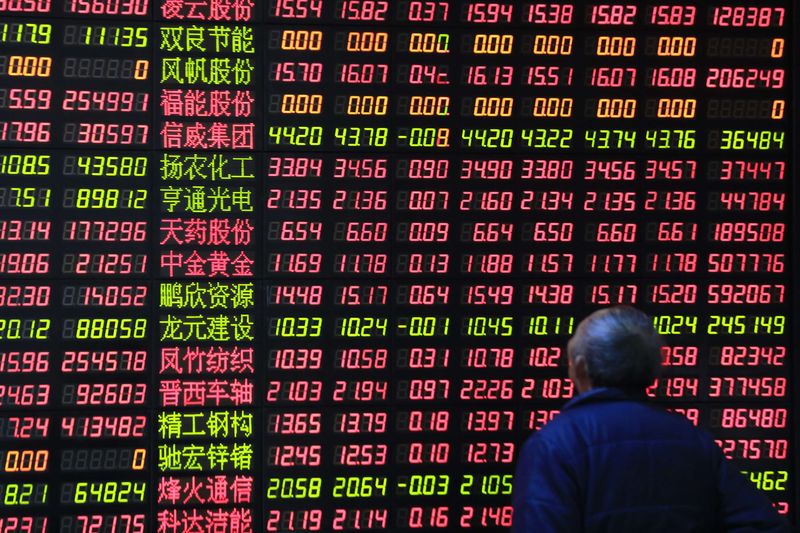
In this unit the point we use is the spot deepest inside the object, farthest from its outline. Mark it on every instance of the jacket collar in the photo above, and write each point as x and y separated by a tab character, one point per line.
605	394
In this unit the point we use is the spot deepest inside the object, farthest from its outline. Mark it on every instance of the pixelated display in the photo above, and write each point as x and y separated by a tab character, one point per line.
311	265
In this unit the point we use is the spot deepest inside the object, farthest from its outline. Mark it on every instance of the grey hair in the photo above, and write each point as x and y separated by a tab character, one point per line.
620	347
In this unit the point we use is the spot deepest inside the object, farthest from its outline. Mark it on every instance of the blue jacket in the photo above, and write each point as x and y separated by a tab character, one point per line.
611	463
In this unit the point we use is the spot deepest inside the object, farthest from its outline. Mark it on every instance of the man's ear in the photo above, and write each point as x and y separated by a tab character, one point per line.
579	373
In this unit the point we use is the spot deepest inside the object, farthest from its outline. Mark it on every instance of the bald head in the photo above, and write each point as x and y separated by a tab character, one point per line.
615	347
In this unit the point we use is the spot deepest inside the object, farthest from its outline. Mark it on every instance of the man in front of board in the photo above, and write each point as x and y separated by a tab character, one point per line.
612	463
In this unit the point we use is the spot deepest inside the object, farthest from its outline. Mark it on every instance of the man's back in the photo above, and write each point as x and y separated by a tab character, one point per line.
610	464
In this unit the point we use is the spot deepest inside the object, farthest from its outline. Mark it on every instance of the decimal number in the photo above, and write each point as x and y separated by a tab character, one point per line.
362	358
359	487
24	329
24	295
294	230
503	75
291	519
24	524
553	388
300	199
294	294
29	99
24	32
294	488
23	164
362	10
24	197
24	230
423	357
361	263
295	135
362	73
549	13
421	453
293	455
354	422
672	293
24	460
490	421
672	15
296	72
360	231
361	200
682	356
487	294
24	263
488	13
294	167
488	452
297	263
24	395
547	231
672	77
614	15
294	391
423	421
295	9
298	423
295	326
24	132
348	519
361	326
486	485
295	359
24	427
423	389
360	391
427	11
19	494
362	294
17	362
554	263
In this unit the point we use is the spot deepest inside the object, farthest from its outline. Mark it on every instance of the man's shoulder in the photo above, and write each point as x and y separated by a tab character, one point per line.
590	422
